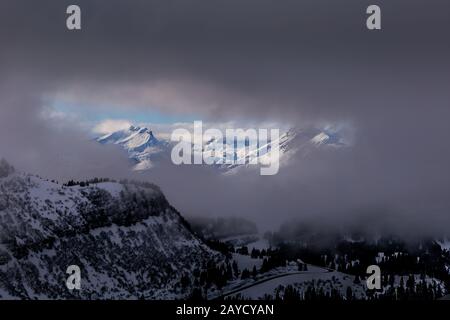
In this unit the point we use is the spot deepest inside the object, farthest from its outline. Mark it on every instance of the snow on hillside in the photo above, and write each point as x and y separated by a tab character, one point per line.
273	283
126	238
322	276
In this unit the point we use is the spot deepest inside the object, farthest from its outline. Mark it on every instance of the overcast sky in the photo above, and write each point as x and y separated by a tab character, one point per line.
294	62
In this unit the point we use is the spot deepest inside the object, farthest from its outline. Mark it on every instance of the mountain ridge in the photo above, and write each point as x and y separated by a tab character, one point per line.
128	241
146	151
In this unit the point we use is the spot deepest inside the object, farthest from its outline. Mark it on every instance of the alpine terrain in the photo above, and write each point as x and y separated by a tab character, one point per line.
146	151
127	240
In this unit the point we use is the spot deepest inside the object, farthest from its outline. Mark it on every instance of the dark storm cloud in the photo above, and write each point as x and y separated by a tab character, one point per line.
291	61
230	57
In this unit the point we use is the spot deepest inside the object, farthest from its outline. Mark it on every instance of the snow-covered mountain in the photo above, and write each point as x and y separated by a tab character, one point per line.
146	151
128	241
140	143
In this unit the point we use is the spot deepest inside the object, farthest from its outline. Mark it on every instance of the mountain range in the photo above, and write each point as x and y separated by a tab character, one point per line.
146	151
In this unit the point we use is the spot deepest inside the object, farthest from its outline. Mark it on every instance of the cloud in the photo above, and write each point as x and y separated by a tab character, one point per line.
302	63
111	125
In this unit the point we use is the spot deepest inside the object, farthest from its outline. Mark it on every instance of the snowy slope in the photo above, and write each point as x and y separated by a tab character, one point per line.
126	238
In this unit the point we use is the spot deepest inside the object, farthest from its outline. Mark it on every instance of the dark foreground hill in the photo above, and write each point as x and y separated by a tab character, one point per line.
128	241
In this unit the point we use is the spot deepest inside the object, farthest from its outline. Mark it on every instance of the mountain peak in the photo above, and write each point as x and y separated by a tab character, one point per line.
139	142
134	128
138	129
320	138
